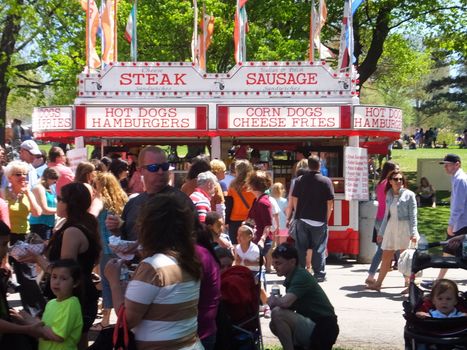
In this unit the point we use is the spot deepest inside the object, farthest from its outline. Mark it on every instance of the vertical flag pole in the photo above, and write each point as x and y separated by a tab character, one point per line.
195	31
243	29
239	29
320	25
135	33
351	41
88	35
115	58
203	39
311	53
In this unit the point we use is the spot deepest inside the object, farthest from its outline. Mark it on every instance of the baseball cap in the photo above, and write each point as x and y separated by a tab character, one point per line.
451	158
31	147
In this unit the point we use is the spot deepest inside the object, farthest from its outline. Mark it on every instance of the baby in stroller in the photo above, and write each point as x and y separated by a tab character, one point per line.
443	302
437	321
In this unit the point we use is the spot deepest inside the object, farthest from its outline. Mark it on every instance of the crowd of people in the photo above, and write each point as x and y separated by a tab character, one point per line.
178	243
181	241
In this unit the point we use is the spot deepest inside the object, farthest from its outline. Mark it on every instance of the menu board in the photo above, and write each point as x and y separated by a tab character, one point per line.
356	173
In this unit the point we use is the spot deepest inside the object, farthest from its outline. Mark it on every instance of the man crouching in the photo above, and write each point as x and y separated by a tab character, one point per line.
303	317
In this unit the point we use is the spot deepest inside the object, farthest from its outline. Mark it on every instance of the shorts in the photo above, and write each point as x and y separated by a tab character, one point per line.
301	327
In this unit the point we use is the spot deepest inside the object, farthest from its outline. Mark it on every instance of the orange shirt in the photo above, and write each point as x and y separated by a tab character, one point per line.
239	210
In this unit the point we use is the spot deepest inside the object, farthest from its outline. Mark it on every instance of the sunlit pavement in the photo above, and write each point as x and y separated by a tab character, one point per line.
367	319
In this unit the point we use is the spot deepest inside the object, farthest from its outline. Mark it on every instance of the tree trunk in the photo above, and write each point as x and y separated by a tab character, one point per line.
380	33
10	33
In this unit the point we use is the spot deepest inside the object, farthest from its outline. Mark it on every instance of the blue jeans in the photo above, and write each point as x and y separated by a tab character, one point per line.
376	259
379	252
315	238
106	292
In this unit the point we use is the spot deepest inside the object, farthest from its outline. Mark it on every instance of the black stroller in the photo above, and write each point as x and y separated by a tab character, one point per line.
433	333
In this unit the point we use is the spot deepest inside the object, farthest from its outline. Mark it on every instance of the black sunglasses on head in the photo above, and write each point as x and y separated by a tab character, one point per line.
154	168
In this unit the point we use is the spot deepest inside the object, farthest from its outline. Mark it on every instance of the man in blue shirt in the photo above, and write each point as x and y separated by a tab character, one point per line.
457	224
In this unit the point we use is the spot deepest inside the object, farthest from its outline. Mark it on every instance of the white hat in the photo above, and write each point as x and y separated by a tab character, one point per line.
31	147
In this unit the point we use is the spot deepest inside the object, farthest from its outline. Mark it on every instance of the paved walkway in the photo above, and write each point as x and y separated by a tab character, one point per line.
367	319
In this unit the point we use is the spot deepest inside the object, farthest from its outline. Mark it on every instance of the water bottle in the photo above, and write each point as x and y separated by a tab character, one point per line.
275	290
464	247
422	244
124	273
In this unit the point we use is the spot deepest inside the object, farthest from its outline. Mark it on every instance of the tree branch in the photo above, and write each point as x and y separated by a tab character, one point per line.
38	84
28	66
425	13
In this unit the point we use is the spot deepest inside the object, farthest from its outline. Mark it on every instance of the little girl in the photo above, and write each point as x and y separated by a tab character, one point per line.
247	254
443	301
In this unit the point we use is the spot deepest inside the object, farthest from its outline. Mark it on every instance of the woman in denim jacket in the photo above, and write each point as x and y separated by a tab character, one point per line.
399	226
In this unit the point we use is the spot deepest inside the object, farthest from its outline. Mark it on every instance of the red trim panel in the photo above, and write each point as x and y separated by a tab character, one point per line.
345	213
201	118
345	117
80	117
222	117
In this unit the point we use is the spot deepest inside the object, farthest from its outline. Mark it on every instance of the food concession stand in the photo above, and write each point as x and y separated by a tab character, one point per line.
274	107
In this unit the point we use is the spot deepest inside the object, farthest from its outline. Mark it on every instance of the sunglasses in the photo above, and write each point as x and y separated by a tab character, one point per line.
282	248
397	179
154	168
21	174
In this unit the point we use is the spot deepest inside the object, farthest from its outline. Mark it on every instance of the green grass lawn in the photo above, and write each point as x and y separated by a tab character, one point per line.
407	159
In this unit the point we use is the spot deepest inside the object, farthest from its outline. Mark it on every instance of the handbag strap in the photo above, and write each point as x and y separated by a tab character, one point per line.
121	323
245	203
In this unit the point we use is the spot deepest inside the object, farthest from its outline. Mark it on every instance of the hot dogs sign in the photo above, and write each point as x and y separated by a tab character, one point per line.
248	80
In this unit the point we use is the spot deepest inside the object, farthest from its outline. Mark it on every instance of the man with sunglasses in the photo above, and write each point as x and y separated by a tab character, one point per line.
457	224
304	317
154	168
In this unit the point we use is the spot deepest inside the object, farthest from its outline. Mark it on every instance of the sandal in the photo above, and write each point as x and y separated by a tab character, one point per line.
370	280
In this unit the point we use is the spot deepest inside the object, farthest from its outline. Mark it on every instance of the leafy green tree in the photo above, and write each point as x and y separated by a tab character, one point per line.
35	35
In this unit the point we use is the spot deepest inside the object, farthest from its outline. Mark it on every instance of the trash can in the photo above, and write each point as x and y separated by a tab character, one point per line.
366	222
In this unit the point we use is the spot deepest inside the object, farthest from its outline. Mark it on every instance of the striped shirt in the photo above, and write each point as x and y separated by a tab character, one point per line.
202	203
167	296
